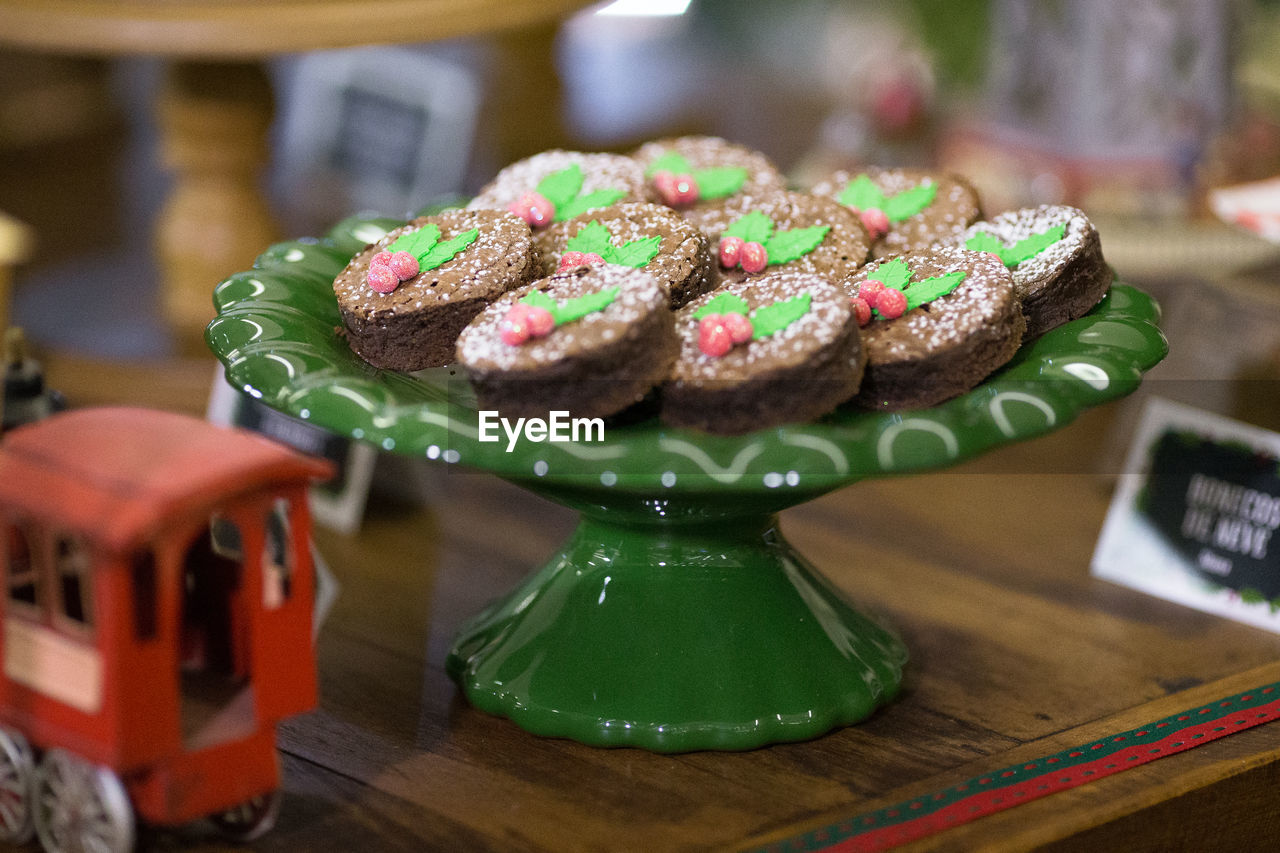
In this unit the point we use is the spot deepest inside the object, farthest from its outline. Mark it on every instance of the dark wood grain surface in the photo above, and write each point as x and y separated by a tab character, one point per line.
983	569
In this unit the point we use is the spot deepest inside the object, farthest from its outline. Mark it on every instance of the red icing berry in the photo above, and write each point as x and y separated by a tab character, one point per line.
730	251
739	326
891	303
404	265
665	183
861	309
382	278
870	291
754	257
573	260
686	190
676	190
533	208
381	259
514	329
875	221
714	338
539	321
524	321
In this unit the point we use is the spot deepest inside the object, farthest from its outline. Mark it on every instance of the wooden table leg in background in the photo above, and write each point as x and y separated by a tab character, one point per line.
214	120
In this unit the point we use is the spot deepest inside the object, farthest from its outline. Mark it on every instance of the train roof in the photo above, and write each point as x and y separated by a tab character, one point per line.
118	474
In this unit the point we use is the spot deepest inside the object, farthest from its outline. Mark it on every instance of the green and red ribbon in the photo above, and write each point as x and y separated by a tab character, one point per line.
919	817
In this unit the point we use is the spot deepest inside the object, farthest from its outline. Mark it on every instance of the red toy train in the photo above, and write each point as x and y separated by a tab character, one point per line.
157	625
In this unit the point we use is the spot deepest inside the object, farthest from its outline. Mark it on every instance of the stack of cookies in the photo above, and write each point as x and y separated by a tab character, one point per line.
688	277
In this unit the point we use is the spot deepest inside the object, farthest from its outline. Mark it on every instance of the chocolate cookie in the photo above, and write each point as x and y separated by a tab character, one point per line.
644	236
781	232
1055	256
687	171
555	186
905	209
777	349
405	312
938	322
590	341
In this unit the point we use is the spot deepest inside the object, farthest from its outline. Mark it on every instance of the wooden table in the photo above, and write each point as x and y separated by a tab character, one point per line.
216	104
983	569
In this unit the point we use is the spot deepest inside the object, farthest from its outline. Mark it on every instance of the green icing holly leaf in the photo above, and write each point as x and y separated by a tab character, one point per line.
786	246
781	246
418	242
445	251
561	187
1023	250
538	299
776	317
896	274
929	289
985	242
719	181
910	202
596	237
713	182
575	308
722	303
862	193
634	253
580	306
424	244
592	237
754	227
583	203
892	273
671	161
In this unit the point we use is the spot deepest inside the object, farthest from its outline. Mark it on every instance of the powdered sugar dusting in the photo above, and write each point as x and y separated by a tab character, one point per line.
954	208
829	318
481	349
984	298
496	261
841	252
704	152
599	171
682	258
1015	225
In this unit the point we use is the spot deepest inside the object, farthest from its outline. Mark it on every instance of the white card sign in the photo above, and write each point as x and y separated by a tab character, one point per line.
1195	515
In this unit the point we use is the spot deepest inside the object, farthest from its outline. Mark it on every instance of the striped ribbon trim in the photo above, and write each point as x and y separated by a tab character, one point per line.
919	817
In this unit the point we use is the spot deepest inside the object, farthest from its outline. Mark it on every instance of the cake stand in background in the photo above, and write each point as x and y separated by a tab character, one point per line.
676	617
215	106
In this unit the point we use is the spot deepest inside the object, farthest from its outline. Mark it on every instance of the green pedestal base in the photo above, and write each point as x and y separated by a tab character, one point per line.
677	638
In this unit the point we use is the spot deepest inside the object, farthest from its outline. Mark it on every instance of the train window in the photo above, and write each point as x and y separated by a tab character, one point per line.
72	566
277	557
145	600
21	571
224	538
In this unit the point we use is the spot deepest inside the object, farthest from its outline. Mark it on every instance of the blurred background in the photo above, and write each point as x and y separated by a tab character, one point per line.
1137	112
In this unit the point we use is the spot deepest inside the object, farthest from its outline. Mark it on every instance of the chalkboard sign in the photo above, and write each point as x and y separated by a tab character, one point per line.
1218	504
1195	515
383	129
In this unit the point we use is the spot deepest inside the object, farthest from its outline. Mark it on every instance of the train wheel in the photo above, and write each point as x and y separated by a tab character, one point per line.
249	820
17	767
80	806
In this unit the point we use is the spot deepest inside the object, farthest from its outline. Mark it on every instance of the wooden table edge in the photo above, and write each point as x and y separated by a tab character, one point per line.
1024	835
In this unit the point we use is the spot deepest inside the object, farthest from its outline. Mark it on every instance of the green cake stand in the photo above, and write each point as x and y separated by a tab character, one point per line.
676	617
